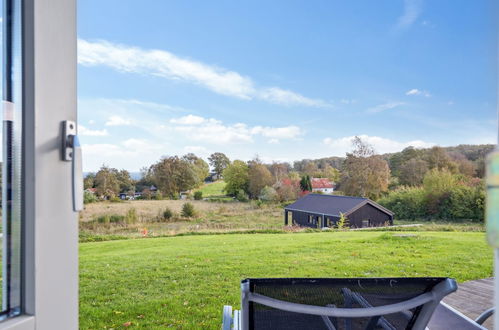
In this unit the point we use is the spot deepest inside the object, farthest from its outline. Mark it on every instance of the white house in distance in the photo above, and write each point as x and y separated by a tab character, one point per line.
322	185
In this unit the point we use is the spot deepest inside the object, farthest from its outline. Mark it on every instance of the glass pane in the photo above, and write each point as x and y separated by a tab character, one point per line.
11	157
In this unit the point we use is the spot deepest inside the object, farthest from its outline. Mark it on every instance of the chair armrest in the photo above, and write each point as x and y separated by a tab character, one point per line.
446	317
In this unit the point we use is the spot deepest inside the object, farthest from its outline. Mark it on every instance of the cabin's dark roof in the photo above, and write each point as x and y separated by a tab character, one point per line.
331	204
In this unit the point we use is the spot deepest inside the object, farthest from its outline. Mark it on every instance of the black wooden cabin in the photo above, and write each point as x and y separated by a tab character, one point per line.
319	211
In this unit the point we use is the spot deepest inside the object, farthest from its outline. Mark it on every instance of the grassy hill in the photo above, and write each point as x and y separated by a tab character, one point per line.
183	282
213	189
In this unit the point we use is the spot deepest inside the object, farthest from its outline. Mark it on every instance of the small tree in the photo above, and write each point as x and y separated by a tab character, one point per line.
343	222
306	183
198	195
188	210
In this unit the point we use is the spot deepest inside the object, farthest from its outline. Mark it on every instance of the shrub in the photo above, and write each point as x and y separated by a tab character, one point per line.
167	214
131	216
406	203
116	218
188	210
268	194
443	196
198	195
158	196
115	199
242	196
88	197
104	219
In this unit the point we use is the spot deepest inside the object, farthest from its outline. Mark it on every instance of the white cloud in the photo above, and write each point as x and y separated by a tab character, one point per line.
170	66
118	121
380	144
416	91
281	96
384	106
273	141
412	10
216	132
131	154
287	132
82	130
188	120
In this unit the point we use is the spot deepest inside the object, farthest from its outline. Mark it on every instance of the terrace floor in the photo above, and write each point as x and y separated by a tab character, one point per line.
474	297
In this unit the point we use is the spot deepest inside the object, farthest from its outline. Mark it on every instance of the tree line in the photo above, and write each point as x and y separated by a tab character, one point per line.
388	178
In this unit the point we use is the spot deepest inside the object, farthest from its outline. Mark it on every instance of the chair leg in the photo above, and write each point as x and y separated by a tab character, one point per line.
227	318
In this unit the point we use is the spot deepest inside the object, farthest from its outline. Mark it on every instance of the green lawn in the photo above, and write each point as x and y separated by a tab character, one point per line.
183	282
214	189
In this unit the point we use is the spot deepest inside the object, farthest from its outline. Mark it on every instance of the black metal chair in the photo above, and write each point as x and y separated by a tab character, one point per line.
325	303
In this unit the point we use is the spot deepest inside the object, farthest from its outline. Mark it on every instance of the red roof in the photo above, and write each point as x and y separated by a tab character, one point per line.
321	183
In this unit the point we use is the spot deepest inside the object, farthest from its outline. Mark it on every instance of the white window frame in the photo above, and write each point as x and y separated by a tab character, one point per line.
50	240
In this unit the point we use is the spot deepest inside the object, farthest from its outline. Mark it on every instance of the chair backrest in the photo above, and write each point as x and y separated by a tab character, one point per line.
336	303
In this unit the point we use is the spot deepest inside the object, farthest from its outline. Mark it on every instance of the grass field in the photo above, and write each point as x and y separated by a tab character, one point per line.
183	282
212	217
214	189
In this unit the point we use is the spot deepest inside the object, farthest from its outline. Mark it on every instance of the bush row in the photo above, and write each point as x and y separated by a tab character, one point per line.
451	198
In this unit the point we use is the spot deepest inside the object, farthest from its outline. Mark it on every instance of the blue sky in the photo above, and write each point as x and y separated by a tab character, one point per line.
282	79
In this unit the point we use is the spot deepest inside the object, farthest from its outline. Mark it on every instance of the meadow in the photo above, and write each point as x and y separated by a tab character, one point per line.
211	217
183	282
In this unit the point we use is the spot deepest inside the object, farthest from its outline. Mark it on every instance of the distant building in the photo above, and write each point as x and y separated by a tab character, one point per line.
212	177
322	185
321	211
91	190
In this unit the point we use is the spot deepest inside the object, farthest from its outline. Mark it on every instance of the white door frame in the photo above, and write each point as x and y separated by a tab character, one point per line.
50	291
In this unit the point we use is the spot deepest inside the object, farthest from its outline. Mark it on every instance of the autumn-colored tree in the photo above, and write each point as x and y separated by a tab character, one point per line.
310	168
259	177
219	161
464	166
413	171
288	192
106	182
438	158
279	170
365	173
236	177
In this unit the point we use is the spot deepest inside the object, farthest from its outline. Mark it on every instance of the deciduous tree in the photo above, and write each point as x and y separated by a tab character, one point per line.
219	161
413	171
236	177
259	177
365	173
171	175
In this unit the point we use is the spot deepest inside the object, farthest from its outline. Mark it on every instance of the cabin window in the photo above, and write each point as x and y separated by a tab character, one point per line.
366	223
